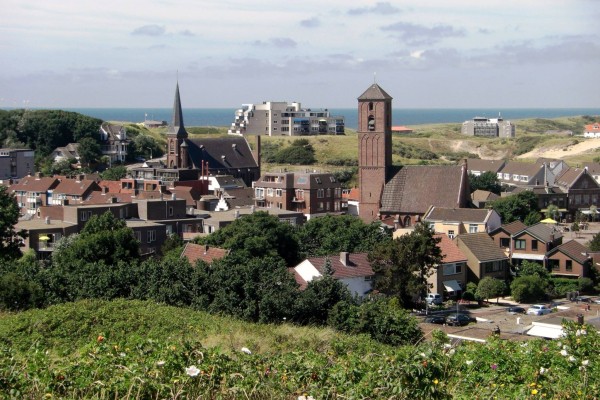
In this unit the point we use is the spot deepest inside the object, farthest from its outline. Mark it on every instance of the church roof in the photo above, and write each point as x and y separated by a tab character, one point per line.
375	92
416	188
177	127
221	153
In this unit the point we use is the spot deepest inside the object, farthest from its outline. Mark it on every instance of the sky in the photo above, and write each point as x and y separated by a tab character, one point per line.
225	53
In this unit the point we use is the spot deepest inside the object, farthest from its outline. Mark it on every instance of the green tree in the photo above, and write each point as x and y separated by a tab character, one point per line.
257	235
332	234
145	146
532	218
516	207
296	155
89	150
490	287
10	239
114	173
528	288
18	292
531	268
594	244
553	212
403	265
593	212
486	181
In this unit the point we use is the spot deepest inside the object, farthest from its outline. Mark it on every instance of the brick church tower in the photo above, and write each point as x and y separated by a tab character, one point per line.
176	135
374	149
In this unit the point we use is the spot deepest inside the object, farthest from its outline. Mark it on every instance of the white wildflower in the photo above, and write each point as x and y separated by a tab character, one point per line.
192	370
585	363
572	359
122	354
469	362
423	355
564	352
305	397
450	352
543	370
160	363
246	350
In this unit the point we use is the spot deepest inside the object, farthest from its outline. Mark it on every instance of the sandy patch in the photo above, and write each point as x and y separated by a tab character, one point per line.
559	152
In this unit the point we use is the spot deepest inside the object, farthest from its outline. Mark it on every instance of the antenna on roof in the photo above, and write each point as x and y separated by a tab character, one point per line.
375	77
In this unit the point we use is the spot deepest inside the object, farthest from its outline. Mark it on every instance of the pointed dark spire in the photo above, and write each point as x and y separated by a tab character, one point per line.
177	127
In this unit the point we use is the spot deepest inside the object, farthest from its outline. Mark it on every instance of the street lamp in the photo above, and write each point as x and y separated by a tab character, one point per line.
149	148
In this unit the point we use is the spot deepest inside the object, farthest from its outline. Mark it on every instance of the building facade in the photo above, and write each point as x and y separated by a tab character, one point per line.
16	163
488	127
273	118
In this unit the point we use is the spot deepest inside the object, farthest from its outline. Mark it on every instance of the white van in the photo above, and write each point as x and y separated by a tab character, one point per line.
433	298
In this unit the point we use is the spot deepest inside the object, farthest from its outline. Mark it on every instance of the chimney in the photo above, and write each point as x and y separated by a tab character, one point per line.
345	258
205	248
38	175
47	220
104	189
65	202
173	196
236	214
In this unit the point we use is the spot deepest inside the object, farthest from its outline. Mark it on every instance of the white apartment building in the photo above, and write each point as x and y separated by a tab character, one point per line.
489	127
274	118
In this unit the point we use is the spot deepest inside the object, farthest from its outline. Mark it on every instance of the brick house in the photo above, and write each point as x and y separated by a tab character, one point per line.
194	252
581	188
484	258
450	277
456	221
502	235
74	190
33	192
308	193
533	243
570	259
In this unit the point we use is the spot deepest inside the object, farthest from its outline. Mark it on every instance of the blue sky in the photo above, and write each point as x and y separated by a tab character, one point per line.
425	53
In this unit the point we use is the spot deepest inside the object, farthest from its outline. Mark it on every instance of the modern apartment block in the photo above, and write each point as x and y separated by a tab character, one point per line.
489	127
16	163
275	118
309	193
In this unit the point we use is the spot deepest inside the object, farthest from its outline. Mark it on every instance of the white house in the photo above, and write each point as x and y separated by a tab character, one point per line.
352	269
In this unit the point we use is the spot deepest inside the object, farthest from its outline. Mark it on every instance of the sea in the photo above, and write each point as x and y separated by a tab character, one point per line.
223	117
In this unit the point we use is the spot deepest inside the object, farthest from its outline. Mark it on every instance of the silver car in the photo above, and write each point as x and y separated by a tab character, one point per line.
538	309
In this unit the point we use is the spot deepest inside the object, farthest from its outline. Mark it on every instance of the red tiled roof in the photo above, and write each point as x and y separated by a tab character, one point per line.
76	187
450	251
593	127
112	186
33	184
353	194
194	252
574	250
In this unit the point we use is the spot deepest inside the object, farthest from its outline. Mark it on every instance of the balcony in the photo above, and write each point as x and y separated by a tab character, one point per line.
297	200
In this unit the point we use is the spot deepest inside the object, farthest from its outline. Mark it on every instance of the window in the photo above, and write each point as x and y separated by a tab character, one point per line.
473	228
85	215
320	207
320	193
138	236
278	192
534	244
327	206
318	180
452	268
554	264
520	244
332	179
336	206
493	266
569	265
451	234
328	194
269	192
170	211
505	242
151	236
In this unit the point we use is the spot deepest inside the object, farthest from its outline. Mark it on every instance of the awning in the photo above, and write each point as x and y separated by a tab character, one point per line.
452	286
44	238
548	221
525	256
546	332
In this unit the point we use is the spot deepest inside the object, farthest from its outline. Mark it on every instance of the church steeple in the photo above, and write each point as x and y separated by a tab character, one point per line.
177	128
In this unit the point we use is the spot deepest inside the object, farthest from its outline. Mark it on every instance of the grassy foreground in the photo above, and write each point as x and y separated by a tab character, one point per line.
141	350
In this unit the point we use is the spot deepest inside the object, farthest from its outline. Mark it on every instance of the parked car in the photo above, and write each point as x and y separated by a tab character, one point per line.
597	301
433	298
435	319
459	319
516	310
538	309
582	299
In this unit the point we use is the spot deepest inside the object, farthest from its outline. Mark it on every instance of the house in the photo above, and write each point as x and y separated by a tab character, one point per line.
43	234
350	201
477	166
309	193
502	235
33	192
16	163
516	173
114	142
74	190
592	130
484	258
194	252
533	242
214	220
481	198
352	269
570	259
456	221
405	193
68	152
279	118
450	277
150	235
581	188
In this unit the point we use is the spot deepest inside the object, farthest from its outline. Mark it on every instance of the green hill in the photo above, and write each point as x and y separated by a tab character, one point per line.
142	350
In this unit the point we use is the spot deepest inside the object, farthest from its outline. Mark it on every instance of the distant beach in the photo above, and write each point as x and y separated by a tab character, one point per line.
224	117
